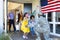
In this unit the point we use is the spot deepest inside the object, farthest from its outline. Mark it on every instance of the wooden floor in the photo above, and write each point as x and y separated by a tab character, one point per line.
18	36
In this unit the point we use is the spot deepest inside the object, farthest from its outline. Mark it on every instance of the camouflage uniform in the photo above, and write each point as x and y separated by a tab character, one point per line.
42	26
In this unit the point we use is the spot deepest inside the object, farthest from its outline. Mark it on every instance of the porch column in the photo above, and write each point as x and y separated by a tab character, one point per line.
1	16
6	7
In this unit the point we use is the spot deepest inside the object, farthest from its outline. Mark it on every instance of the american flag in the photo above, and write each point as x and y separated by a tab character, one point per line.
50	6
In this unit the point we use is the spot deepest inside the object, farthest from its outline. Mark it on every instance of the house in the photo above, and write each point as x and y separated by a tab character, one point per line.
22	5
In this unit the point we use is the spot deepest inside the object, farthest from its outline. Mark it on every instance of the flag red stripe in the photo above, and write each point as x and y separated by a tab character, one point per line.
51	2
56	6
51	9
56	10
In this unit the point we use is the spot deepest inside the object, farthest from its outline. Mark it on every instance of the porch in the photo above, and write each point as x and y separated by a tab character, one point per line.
18	36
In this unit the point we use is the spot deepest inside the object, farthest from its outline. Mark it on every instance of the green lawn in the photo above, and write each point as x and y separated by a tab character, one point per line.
4	37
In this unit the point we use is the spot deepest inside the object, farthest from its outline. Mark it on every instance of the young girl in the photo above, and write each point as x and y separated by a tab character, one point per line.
32	24
24	26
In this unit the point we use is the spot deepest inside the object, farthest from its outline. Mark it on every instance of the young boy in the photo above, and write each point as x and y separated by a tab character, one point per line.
32	24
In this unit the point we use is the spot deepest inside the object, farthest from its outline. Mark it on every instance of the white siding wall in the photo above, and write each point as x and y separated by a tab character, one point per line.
1	16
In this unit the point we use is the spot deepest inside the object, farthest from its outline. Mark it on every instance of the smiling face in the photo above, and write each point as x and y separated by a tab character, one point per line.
26	15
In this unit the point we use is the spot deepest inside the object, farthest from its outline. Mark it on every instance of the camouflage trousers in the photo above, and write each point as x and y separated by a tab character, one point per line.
45	34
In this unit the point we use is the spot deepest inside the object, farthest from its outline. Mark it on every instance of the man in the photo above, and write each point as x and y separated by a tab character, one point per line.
42	27
11	20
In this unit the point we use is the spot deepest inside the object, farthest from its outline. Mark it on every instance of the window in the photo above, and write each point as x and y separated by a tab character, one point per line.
50	16
58	28
51	27
57	16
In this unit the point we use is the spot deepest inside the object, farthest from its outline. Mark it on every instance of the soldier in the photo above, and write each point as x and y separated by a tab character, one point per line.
42	27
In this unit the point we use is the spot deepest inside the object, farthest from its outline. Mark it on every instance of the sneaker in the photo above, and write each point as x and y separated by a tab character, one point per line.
24	37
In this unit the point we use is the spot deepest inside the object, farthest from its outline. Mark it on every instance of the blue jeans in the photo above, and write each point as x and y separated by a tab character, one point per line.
32	30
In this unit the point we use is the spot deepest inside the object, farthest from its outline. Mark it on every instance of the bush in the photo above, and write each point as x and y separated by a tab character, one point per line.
4	37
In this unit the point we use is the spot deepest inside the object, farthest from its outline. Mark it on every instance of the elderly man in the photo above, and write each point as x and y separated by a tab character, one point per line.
11	20
42	26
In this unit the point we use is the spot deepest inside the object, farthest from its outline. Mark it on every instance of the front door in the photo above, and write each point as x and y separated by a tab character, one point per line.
27	7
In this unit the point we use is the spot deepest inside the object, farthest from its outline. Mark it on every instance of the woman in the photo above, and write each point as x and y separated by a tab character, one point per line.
24	26
20	17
